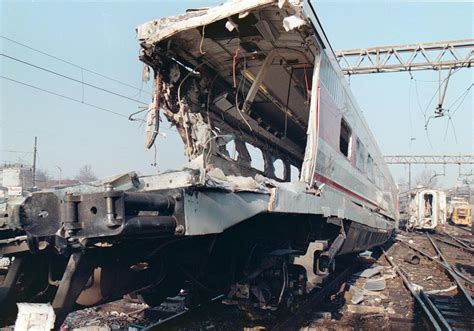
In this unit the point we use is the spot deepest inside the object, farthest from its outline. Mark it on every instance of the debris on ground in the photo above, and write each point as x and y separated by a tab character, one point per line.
35	316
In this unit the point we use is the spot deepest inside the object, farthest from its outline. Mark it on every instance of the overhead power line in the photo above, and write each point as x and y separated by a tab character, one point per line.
64	96
72	64
70	78
76	100
19	152
430	159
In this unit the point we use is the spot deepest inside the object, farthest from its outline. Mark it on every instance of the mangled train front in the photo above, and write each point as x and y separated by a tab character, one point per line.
241	81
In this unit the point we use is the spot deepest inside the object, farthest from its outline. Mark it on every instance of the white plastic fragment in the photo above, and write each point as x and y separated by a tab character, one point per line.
292	22
35	317
230	25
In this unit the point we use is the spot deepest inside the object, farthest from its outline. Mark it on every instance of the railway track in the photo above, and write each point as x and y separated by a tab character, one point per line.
213	312
437	295
441	286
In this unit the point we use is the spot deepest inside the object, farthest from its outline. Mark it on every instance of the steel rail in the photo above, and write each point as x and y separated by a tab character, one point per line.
414	293
460	244
441	264
452	272
460	227
431	305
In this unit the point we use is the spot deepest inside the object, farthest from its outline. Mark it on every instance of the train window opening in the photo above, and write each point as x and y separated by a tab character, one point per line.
370	168
428	199
256	157
294	173
345	139
279	169
360	156
232	150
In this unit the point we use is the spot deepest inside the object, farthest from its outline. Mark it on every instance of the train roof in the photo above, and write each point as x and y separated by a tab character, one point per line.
203	38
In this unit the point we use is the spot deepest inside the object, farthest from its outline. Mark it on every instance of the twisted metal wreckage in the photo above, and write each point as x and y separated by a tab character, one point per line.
239	79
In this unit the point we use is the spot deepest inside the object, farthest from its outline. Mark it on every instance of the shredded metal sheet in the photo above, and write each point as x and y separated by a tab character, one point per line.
154	31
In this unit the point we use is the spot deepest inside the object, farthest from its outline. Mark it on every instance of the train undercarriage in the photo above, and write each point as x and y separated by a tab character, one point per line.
83	249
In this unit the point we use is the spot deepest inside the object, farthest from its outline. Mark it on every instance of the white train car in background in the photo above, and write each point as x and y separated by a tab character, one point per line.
426	209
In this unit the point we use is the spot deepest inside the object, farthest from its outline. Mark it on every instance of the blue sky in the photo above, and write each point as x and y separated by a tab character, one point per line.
101	37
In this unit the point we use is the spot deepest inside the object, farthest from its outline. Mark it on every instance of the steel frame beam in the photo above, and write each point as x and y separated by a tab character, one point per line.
421	56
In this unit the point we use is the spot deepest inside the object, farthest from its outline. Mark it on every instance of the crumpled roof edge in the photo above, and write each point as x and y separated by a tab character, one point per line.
154	31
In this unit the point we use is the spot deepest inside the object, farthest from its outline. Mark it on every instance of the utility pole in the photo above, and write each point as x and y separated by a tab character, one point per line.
34	162
409	176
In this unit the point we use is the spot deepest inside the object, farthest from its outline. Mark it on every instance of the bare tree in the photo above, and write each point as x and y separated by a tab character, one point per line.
85	174
428	179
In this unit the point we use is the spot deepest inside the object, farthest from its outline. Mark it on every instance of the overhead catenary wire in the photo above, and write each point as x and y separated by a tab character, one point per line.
63	96
72	64
462	97
72	79
71	99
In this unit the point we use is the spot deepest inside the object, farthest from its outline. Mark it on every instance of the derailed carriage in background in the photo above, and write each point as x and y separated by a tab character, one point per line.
243	81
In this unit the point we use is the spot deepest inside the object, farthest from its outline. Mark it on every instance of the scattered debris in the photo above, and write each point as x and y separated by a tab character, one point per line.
377	284
449	289
358	309
368	273
35	316
412	258
357	295
365	254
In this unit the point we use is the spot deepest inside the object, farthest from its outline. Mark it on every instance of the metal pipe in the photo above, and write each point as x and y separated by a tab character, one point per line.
150	225
149	202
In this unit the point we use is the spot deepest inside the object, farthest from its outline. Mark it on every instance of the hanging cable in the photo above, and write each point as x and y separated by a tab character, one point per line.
202	40
234	63
288	100
463	95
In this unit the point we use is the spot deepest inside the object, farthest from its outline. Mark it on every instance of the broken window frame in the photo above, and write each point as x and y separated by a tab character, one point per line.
360	154
370	168
345	126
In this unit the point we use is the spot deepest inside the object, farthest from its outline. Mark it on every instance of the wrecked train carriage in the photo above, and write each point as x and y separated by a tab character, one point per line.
251	78
239	79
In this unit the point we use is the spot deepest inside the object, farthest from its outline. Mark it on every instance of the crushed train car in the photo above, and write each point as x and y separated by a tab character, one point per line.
426	209
240	80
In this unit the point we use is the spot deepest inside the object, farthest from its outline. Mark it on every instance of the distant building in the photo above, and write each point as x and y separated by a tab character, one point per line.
16	178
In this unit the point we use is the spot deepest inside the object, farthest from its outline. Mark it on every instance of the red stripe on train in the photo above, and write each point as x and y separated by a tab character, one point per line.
343	189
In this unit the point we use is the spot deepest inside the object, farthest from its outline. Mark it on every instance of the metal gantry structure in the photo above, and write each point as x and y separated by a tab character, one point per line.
428	159
443	55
